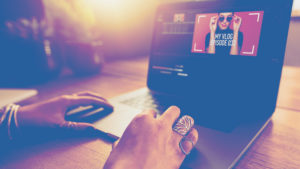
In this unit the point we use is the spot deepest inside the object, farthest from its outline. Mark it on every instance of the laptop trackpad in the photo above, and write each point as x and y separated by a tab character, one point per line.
116	122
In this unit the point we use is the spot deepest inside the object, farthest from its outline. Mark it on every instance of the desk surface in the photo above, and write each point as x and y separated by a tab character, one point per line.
277	147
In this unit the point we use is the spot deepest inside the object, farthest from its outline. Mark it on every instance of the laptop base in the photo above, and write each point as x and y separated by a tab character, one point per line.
214	149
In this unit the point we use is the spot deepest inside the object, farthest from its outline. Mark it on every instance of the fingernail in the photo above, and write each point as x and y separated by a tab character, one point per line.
175	108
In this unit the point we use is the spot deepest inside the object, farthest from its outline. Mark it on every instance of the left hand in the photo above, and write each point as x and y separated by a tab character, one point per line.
48	117
237	21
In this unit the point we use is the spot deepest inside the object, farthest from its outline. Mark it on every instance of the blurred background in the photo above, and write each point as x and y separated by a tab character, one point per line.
40	38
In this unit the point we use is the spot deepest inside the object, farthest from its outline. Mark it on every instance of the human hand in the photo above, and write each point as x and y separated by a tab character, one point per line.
237	21
48	117
151	143
213	24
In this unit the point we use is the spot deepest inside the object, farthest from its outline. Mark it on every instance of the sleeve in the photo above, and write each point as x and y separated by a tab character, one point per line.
207	39
241	40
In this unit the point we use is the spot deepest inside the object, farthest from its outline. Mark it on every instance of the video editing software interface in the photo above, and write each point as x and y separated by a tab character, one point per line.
190	33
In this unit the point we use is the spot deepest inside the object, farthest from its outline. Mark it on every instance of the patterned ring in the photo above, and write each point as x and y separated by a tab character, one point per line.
184	125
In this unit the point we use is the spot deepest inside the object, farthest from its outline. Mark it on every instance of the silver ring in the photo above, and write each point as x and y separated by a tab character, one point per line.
184	125
181	147
68	125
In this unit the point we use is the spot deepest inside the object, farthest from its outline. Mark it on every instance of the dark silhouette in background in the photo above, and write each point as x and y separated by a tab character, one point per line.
26	56
35	51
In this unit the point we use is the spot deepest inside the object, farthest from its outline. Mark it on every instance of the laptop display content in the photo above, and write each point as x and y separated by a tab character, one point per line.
217	53
231	33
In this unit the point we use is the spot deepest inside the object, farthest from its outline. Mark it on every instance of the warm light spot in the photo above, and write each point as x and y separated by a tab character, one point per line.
86	20
121	14
296	5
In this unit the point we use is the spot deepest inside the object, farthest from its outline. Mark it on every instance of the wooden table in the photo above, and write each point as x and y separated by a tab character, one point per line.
277	147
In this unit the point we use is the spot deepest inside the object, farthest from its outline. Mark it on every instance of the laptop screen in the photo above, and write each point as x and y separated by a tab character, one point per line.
188	33
220	52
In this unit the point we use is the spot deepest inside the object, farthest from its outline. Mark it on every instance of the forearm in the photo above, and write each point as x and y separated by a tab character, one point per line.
212	47
116	161
235	48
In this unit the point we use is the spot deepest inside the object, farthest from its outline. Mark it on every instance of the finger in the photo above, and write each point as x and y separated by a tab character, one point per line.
92	94
170	116
115	144
86	100
189	142
240	19
152	113
237	18
213	19
78	127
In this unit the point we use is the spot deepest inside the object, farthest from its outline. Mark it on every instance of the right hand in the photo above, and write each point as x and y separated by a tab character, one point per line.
213	24
237	21
150	142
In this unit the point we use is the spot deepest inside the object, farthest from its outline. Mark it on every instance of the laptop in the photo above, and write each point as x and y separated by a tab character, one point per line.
220	62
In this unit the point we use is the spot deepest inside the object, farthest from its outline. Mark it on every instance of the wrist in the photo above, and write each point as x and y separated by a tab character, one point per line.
212	38
118	161
120	164
236	32
235	35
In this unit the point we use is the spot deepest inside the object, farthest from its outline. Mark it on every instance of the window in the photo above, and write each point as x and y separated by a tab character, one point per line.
296	8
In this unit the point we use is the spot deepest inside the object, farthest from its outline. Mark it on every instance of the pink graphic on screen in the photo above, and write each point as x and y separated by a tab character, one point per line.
247	41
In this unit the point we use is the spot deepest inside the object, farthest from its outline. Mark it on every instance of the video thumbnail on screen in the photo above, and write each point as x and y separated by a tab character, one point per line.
229	33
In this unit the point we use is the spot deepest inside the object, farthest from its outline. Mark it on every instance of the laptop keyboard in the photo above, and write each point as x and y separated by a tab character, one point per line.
160	103
146	101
